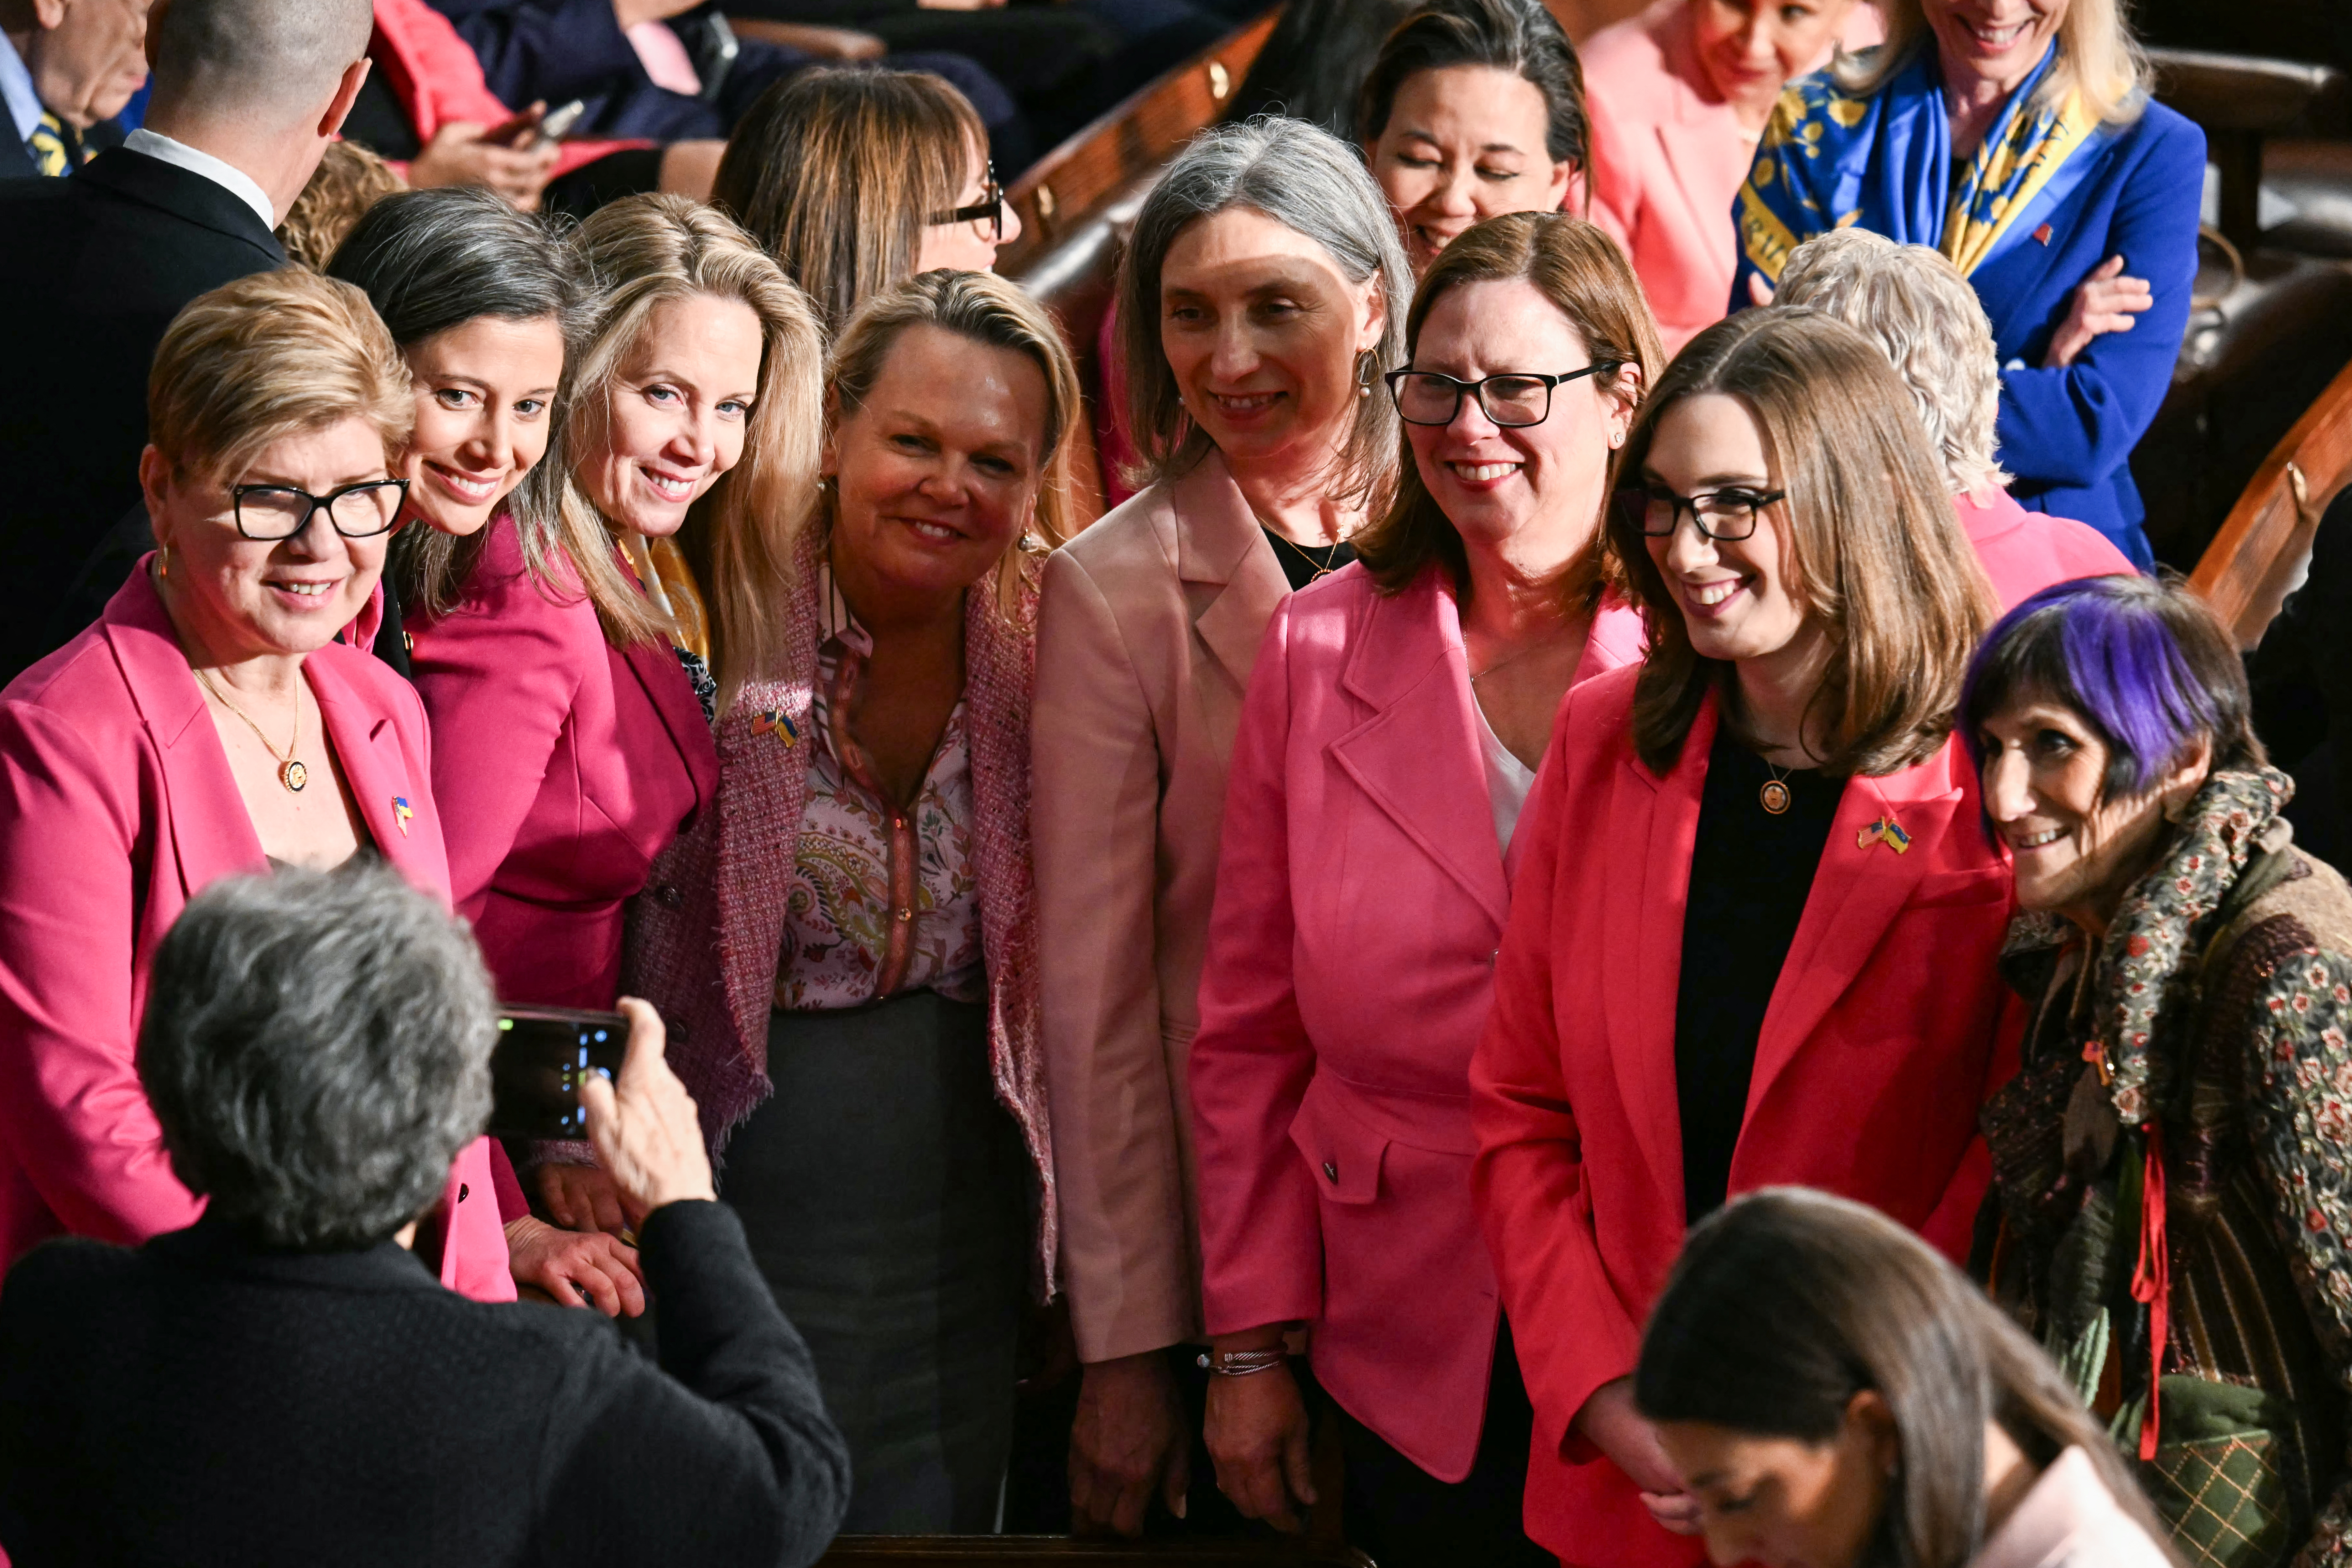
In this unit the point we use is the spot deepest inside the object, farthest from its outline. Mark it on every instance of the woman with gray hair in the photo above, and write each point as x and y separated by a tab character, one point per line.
316	1048
1262	290
1914	304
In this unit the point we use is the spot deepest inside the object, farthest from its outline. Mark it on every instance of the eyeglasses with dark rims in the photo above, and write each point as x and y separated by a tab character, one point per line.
1513	399
989	209
280	512
1728	514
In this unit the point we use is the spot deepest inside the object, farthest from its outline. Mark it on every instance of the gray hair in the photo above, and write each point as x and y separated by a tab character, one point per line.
1915	305
317	1048
269	60
1306	179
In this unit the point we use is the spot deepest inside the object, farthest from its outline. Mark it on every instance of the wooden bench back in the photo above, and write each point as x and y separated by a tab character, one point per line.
2265	542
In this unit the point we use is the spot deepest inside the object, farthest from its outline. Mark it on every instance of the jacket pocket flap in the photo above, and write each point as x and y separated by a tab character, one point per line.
1343	1153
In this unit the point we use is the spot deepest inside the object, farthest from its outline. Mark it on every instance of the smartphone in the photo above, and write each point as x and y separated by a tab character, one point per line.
528	130
542	1057
558	121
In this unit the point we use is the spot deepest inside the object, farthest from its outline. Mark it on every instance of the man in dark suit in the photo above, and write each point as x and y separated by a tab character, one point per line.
247	95
67	69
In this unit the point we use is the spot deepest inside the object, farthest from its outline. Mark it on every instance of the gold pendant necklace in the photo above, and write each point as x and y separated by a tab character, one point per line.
1320	568
290	771
1775	793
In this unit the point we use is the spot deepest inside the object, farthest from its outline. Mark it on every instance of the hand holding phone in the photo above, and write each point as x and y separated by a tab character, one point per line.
543	1057
644	1123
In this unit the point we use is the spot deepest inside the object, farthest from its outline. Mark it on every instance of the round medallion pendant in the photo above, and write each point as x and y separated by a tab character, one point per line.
293	775
1775	797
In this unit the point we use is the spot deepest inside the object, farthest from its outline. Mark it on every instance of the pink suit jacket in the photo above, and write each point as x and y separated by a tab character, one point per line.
1887	1030
1361	898
117	807
2025	552
574	764
1667	159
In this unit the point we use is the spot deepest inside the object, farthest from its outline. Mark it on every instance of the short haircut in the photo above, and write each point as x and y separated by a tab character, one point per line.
1914	303
267	356
2144	663
1516	36
316	1046
347	181
1875	555
837	171
986	310
1309	181
265	61
1588	279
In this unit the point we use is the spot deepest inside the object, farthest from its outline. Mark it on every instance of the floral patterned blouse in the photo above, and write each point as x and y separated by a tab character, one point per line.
882	902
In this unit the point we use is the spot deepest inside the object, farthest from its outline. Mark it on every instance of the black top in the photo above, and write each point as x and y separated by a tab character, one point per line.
1750	873
93	268
1302	563
200	1400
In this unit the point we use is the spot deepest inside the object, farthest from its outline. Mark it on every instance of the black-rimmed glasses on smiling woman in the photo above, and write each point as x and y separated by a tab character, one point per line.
989	209
1513	399
280	512
1728	514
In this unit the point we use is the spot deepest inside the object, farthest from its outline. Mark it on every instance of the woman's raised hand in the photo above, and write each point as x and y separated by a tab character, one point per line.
644	1123
2105	302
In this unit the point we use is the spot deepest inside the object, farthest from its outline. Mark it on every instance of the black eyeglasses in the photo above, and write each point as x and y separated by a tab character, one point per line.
1728	514
1516	398
280	512
989	209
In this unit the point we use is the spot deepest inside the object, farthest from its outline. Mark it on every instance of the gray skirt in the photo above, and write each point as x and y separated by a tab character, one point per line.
886	1196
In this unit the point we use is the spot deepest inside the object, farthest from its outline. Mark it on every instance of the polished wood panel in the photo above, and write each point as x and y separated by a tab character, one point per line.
2265	543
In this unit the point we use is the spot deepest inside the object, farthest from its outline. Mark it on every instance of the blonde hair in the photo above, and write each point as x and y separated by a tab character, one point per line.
2098	56
984	309
838	171
1874	553
349	179
645	252
272	355
1588	279
1913	302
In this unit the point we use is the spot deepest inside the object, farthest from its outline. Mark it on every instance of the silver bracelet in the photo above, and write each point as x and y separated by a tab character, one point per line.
1242	1363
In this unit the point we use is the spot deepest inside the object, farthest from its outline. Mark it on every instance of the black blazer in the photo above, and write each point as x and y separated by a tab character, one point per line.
196	1401
93	268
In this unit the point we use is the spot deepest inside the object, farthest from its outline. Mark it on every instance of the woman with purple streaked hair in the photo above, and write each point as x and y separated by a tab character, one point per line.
2173	1199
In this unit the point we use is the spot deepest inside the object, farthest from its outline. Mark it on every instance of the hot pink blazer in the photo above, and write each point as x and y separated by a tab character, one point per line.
576	763
1667	159
1886	1031
1361	898
117	807
2025	552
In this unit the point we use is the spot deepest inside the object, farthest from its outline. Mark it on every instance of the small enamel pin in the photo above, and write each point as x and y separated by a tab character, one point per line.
1886	831
2043	234
777	723
401	813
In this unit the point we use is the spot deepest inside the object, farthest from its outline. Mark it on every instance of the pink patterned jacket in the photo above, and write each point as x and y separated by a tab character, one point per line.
705	937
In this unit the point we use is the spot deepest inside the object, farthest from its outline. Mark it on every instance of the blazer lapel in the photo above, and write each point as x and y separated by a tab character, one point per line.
1859	887
1419	757
657	667
1654	826
391	802
1220	544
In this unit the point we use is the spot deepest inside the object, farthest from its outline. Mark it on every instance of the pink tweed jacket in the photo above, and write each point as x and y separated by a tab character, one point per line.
703	938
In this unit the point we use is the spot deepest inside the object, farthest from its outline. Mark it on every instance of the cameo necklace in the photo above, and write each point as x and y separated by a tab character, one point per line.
290	771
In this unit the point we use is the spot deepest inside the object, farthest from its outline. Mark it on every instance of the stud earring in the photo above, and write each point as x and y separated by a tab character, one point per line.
163	561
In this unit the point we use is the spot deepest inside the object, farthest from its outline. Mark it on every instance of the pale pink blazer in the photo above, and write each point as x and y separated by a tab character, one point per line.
1150	624
1667	159
2070	1520
1360	900
117	807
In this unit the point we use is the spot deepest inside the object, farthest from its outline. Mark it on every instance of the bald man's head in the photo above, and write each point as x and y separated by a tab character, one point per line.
261	63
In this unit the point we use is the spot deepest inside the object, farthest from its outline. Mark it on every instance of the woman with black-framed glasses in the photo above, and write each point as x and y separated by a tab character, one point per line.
209	724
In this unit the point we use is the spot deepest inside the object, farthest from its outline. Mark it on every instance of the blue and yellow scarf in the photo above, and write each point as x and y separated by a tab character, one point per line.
1829	158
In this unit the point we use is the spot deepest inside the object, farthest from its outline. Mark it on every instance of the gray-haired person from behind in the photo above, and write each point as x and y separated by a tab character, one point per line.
283	1383
1914	304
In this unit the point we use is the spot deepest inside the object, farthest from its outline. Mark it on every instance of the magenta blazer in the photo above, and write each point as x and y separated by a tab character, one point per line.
1360	899
117	807
576	763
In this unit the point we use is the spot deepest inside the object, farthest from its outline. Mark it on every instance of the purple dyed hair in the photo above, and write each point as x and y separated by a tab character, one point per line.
2143	662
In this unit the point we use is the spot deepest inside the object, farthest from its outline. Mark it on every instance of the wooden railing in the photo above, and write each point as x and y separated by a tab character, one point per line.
2265	542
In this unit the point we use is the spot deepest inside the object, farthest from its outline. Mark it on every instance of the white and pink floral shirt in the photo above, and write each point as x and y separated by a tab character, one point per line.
882	900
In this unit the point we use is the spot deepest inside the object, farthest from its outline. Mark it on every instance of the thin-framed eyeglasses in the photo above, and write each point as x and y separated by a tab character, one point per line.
280	512
989	209
1512	399
1728	514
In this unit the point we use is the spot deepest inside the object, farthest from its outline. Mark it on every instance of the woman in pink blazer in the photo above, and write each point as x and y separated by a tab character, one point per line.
1755	932
209	725
1392	724
1678	96
567	682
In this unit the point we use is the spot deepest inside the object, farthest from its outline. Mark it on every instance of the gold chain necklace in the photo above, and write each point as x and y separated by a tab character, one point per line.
290	771
1320	570
1775	793
1478	675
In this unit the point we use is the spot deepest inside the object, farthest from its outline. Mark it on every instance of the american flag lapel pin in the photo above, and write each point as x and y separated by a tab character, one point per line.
401	813
777	723
1886	831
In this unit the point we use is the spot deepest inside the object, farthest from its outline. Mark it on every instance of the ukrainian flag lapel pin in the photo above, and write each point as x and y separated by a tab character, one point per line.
1886	831
401	813
777	723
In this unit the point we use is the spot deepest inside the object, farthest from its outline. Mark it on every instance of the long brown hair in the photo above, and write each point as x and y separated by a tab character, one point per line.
837	172
1581	270
1873	552
1786	1303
